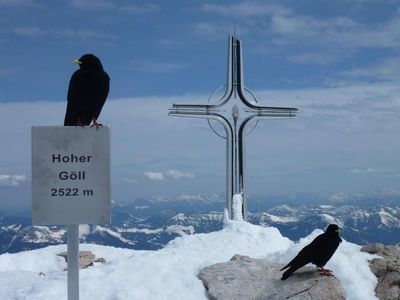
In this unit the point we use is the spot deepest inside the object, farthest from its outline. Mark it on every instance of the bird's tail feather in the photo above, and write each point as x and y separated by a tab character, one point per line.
285	267
287	273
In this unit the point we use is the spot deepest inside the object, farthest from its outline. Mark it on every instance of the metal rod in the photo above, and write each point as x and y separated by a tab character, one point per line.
242	164
229	178
73	262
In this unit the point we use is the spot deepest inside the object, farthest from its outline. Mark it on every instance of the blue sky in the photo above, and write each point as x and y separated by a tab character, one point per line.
337	61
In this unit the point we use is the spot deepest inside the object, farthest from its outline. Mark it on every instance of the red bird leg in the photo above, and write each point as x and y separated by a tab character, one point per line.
95	124
325	272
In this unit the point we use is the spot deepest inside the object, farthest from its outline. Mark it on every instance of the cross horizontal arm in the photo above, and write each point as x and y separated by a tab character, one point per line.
271	109
187	106
197	114
262	114
191	107
210	107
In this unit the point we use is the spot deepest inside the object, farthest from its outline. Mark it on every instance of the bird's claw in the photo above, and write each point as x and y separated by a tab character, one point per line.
95	124
79	123
325	272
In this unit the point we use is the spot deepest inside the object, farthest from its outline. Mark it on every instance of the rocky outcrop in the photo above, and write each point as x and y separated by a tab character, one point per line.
386	268
86	258
247	278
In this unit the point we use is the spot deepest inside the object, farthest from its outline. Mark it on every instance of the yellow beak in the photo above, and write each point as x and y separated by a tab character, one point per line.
77	61
337	230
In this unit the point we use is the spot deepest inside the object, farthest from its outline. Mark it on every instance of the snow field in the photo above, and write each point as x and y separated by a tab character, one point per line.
171	272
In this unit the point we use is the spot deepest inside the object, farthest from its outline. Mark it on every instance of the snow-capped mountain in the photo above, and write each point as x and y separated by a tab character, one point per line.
149	224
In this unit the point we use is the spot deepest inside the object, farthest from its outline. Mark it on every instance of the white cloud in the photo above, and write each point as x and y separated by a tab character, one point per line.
175	174
110	5
245	9
154	175
11	180
319	58
32	31
353	106
37	32
21	3
338	197
131	180
157	66
92	4
214	30
140	9
385	69
334	32
372	170
341	126
170	174
310	38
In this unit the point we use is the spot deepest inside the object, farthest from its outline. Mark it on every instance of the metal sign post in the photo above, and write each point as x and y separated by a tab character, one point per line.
71	184
73	261
227	110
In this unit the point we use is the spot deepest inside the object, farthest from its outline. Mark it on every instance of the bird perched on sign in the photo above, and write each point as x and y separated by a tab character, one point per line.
318	252
87	92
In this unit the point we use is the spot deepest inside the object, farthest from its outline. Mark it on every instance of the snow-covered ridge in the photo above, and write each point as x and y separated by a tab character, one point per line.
387	219
130	274
42	234
196	218
266	218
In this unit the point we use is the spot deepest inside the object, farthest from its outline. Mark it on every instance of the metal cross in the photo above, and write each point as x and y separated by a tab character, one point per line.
234	131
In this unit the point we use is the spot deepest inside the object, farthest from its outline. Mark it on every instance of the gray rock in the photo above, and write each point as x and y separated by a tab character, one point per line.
373	248
257	279
86	258
387	269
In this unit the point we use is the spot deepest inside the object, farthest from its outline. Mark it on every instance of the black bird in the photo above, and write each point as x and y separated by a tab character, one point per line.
318	252
87	92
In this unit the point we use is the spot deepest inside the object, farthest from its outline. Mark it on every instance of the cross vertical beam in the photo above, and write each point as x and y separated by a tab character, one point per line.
230	118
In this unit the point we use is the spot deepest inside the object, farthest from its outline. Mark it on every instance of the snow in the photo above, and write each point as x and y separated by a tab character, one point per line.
331	220
326	206
278	219
387	219
44	234
142	230
237	207
170	273
179	217
181	230
13	227
140	207
101	229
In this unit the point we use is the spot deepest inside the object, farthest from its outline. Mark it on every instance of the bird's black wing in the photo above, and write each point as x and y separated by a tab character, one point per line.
100	94
74	105
327	249
305	256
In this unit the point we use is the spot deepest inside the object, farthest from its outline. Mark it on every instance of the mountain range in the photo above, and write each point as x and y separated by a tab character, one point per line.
149	224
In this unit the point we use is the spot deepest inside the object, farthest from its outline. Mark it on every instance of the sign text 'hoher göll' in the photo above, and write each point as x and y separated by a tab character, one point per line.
70	175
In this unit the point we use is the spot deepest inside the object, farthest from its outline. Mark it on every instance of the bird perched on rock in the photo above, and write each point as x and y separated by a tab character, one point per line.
318	252
87	92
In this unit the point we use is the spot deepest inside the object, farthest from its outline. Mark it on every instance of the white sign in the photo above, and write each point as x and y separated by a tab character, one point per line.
70	175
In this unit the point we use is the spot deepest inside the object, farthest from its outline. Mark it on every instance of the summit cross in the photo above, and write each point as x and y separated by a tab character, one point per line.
227	110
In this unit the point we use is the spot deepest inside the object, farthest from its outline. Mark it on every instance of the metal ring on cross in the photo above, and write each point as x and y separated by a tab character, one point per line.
211	98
